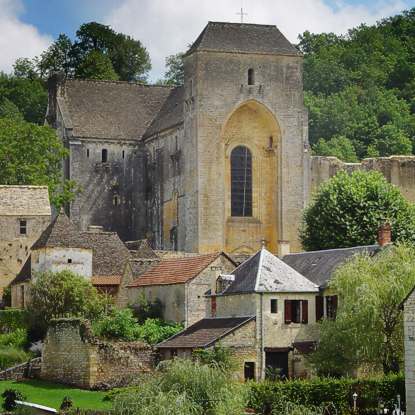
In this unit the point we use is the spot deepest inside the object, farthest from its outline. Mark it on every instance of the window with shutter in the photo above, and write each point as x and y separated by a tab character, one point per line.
287	312
304	311
319	307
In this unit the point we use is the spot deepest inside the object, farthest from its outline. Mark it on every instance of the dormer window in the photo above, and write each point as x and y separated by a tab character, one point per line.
251	77
104	155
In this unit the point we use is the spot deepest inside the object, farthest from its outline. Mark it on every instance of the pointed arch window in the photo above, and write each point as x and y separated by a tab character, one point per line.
241	181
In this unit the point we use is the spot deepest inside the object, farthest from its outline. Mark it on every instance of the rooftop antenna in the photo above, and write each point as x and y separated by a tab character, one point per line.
242	14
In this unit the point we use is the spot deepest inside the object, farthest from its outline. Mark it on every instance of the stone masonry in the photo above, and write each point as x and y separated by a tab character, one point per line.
71	355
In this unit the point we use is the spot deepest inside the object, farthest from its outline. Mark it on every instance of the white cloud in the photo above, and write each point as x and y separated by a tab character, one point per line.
168	26
17	39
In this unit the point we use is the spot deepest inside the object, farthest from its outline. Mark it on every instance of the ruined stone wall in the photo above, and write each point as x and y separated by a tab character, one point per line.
71	355
398	170
112	191
409	341
14	247
273	107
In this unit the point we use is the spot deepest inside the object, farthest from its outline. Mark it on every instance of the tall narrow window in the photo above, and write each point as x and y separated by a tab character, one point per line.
251	77
23	227
87	152
241	182
104	155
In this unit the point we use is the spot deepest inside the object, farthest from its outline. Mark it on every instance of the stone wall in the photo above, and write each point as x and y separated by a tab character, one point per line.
409	341
398	170
71	355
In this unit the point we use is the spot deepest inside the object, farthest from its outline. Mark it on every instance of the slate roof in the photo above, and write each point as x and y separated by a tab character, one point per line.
24	201
25	273
60	233
175	270
264	272
170	114
109	254
110	109
141	249
319	266
243	38
204	333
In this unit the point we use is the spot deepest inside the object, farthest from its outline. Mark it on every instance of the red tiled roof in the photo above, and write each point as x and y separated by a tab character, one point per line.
175	270
101	280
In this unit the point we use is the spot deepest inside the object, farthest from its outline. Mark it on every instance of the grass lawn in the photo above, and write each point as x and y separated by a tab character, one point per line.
51	394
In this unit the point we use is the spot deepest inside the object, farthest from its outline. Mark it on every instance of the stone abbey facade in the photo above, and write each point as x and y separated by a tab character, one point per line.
221	163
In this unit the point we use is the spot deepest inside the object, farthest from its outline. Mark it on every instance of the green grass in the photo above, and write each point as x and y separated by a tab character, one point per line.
51	394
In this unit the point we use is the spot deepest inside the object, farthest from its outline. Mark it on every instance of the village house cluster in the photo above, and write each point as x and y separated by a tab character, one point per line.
192	196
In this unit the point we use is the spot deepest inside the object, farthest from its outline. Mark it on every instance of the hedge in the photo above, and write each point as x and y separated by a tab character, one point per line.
315	392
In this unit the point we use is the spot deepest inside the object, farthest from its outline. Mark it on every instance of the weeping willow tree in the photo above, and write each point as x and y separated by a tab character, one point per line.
368	330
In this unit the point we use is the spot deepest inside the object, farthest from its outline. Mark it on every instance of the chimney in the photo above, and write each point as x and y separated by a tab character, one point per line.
95	229
384	234
54	82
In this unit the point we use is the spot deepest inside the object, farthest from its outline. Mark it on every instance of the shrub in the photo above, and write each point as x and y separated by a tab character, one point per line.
12	319
119	325
10	356
154	331
17	338
10	397
67	403
144	309
217	356
264	396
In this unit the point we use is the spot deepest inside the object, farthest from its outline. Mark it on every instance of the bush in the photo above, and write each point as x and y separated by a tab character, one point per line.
266	396
67	404
144	309
154	331
183	387
10	356
119	325
12	319
17	338
10	397
217	356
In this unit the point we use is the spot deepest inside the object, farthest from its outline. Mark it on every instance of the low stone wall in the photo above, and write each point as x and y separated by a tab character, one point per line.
72	355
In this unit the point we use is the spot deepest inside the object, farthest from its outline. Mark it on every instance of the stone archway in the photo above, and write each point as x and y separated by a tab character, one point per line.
254	126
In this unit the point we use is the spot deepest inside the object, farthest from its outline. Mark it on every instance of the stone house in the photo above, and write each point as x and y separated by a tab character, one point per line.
180	283
24	213
97	255
409	342
278	302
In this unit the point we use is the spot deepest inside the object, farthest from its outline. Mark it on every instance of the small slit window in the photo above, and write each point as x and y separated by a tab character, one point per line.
116	201
104	155
251	77
23	227
123	154
69	261
87	152
274	306
241	182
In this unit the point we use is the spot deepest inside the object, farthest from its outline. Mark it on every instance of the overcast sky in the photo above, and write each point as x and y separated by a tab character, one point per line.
168	26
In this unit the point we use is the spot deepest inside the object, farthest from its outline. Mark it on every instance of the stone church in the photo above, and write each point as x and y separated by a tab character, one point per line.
221	163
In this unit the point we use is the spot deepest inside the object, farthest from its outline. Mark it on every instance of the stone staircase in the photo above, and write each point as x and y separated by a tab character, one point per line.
29	369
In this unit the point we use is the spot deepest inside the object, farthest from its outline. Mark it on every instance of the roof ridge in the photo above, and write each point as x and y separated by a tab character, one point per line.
331	250
242	24
26	186
111	81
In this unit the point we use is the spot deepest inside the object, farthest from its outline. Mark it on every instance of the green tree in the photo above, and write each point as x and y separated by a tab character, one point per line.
96	65
368	330
32	154
64	294
338	146
174	74
25	68
348	210
57	58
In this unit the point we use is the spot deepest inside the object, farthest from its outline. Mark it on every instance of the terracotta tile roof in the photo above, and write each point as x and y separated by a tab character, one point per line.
175	270
101	280
24	201
204	332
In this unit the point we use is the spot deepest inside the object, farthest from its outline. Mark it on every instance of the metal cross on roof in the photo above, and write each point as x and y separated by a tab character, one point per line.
242	14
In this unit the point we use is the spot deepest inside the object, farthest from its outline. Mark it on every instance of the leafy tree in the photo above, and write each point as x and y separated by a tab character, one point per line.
368	330
64	294
96	65
118	325
57	58
348	210
29	96
338	146
25	68
32	154
174	74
